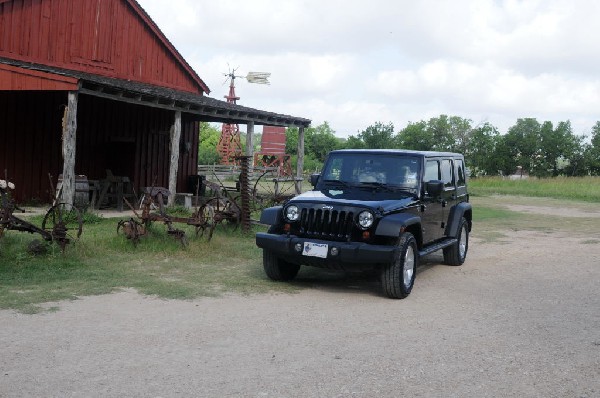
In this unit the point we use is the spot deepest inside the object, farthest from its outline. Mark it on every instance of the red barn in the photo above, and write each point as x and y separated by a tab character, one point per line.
91	85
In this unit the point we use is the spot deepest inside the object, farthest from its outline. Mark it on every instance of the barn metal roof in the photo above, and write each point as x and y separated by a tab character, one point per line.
208	109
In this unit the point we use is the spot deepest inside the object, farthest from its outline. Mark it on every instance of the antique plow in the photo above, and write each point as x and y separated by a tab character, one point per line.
208	216
62	224
154	198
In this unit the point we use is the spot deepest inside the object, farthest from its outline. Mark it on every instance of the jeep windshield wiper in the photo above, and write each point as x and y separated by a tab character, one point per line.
389	188
377	185
338	183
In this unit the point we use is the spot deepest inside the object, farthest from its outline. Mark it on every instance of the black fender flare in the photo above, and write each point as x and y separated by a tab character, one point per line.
272	216
457	212
393	224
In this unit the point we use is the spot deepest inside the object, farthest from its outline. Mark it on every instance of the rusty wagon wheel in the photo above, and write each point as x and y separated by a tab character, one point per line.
202	218
218	210
63	224
264	194
132	229
224	210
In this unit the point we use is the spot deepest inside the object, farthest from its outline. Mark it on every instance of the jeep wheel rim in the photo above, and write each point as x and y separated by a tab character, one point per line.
409	266
462	243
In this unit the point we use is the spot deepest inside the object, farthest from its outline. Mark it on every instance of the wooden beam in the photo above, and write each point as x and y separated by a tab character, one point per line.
207	113
300	163
69	141
174	162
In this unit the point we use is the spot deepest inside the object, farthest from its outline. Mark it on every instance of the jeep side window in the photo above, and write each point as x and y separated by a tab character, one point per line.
432	170
447	173
460	167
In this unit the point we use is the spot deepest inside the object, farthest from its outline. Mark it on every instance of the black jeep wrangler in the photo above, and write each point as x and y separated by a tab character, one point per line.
372	209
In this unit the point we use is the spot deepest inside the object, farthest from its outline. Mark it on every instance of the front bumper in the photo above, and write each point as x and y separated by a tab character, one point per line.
348	252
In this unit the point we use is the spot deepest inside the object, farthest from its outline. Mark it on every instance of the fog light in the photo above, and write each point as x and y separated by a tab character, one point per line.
335	251
298	247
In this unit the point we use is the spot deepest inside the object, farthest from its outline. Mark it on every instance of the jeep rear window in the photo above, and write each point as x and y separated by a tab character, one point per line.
460	166
447	173
358	169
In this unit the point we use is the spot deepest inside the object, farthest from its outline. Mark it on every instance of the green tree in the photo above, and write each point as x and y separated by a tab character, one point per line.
481	150
592	152
521	145
207	146
416	136
378	136
291	140
559	147
443	133
460	130
354	142
576	165
319	141
440	129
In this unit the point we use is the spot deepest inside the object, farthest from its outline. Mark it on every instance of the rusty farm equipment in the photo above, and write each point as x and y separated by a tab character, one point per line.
152	205
62	224
233	206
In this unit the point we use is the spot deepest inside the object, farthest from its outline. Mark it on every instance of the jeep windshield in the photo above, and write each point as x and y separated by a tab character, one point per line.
370	171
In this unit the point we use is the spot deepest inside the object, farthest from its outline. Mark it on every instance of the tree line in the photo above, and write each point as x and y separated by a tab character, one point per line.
542	149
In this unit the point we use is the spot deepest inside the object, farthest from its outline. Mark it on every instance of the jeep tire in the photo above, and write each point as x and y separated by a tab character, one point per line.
398	277
278	269
456	254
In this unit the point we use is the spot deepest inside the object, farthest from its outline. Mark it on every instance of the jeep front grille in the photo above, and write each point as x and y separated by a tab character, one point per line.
327	224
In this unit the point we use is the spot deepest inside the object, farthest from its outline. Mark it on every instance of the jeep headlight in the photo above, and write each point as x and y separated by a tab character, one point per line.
291	213
365	219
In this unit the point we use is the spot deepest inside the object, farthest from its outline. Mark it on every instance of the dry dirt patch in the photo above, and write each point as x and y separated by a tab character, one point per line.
554	211
519	319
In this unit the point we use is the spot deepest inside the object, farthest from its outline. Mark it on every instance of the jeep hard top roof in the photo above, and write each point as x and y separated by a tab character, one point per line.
399	152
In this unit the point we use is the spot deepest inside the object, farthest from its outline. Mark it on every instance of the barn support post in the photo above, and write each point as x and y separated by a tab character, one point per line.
174	162
300	163
69	135
250	143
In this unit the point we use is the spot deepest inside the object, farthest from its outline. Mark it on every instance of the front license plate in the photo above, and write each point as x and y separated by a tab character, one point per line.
315	249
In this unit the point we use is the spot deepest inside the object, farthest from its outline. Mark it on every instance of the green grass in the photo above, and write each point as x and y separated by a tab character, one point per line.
102	261
586	189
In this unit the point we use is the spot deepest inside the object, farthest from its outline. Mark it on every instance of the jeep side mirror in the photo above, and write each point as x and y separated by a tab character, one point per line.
314	179
434	188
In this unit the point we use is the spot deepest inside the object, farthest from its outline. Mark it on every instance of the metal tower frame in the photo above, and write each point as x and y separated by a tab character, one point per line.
230	144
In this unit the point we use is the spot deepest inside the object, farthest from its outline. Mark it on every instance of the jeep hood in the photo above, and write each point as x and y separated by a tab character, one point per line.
367	199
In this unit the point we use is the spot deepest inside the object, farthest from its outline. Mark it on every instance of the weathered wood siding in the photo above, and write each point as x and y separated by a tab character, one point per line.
130	140
13	78
113	38
133	141
30	141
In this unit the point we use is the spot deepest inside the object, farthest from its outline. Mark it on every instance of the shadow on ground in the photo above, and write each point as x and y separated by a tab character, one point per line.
365	282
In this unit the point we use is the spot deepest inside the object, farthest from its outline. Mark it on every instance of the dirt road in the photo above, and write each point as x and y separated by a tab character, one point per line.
521	318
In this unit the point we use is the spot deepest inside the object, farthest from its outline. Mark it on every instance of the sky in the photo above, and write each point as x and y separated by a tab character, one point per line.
353	63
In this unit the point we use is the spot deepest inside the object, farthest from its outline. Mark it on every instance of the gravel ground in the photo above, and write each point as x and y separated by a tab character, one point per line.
521	318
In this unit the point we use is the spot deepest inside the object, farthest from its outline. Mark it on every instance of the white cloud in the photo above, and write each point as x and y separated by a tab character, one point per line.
356	62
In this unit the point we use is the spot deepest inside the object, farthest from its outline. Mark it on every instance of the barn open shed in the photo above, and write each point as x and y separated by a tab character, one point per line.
88	86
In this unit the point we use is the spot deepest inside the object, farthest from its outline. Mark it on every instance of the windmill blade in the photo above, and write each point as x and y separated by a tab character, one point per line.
258	77
231	74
